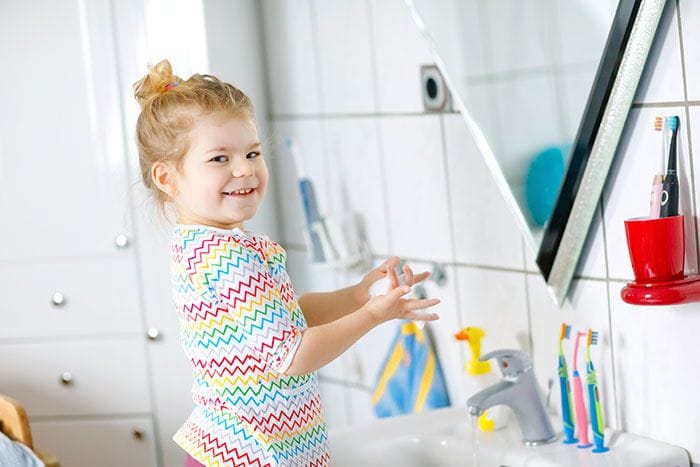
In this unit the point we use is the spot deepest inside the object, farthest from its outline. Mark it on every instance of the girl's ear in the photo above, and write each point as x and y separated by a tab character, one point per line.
164	178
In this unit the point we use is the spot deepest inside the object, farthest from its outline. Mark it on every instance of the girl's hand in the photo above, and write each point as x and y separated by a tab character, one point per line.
391	306
386	269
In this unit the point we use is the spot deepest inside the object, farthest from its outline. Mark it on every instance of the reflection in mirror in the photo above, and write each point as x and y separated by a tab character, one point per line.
532	79
524	78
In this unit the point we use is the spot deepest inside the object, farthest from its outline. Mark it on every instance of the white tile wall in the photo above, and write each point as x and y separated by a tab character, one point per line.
399	51
420	204
292	64
415	187
347	84
352	148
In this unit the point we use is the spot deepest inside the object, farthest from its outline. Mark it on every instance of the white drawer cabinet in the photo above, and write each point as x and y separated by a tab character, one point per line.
92	443
81	377
70	298
63	178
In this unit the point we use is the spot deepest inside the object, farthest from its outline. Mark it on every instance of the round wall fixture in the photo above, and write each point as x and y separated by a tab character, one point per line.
436	96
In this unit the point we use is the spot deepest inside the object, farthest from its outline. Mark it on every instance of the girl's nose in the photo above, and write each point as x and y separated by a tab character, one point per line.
242	168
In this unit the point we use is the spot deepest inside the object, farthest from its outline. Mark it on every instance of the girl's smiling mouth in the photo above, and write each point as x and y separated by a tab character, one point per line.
240	193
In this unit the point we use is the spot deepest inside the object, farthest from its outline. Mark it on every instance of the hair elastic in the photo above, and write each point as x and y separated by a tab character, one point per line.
168	87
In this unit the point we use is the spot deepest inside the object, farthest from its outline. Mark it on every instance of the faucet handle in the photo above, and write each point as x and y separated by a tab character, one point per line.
510	361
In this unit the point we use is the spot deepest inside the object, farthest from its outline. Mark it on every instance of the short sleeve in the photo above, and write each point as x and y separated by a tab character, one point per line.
239	283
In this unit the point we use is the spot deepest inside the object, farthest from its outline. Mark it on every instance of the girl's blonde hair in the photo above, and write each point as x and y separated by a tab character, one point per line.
169	107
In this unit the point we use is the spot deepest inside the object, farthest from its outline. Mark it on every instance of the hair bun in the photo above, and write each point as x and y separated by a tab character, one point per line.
160	78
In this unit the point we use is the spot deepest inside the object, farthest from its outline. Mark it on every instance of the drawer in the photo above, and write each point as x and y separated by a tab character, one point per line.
100	296
104	442
86	377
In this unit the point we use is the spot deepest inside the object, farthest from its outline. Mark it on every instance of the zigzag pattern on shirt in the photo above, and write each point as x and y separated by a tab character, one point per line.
239	321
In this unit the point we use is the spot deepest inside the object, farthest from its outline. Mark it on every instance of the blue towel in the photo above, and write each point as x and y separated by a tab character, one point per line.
410	379
15	454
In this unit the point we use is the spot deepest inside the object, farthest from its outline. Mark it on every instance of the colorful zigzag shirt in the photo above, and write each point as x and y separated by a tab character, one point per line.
240	326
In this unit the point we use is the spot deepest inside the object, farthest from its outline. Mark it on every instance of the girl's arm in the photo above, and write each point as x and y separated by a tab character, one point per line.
323	343
324	307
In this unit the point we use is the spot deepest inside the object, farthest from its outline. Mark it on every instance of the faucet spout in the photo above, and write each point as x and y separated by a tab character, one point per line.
488	397
518	390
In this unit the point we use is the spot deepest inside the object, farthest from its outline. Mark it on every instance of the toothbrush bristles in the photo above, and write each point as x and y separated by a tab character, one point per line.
658	123
672	123
594	338
565	331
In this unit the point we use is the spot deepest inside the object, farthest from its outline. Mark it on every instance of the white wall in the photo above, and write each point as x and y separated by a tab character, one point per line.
344	82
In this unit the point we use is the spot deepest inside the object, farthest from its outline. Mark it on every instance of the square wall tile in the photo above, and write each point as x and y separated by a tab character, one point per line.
292	70
586	307
346	74
486	231
626	192
690	22
399	51
662	79
352	153
654	348
415	180
307	136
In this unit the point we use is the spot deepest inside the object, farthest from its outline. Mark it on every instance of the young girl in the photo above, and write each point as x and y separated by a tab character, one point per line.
254	347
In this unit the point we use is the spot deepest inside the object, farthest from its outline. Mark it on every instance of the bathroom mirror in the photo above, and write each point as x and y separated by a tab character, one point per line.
544	86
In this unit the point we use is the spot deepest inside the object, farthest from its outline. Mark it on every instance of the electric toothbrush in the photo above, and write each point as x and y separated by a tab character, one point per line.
669	197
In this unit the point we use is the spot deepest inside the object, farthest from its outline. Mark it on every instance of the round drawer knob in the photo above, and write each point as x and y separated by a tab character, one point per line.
67	378
153	333
121	241
138	432
58	299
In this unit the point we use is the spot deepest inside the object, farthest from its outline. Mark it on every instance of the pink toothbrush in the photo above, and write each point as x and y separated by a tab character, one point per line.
581	417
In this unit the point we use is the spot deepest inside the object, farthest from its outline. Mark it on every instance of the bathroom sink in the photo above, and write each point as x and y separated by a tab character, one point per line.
444	437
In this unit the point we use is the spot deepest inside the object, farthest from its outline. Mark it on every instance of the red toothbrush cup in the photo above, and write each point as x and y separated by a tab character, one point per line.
657	248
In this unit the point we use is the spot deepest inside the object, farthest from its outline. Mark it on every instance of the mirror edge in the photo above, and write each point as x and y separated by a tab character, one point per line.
602	154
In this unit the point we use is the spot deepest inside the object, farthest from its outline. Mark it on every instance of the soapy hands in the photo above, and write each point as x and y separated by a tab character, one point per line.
391	305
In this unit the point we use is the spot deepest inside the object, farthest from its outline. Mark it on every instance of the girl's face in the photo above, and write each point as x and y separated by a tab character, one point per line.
225	157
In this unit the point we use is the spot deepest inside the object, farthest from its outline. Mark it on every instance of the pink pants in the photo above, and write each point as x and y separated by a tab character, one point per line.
190	462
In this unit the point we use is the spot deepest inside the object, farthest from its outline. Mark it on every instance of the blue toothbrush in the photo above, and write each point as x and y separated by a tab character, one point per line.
567	411
597	423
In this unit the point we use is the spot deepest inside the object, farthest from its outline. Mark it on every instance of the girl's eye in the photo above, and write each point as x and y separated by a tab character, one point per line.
253	154
220	158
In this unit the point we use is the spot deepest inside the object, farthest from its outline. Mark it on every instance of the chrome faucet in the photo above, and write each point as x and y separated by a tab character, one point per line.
519	390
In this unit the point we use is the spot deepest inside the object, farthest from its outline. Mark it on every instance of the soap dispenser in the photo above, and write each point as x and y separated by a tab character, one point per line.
483	377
